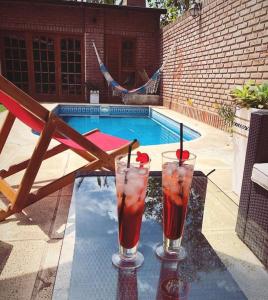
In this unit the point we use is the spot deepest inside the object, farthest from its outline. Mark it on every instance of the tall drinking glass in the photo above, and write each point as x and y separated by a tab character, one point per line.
131	186
176	184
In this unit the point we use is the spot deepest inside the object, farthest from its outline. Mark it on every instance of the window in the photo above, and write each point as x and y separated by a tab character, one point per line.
71	76
16	65
44	65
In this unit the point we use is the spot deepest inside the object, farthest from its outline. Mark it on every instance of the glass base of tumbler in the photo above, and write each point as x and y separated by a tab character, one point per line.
174	255
127	263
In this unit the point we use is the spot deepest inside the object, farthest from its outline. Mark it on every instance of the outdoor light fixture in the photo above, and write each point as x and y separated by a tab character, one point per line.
195	8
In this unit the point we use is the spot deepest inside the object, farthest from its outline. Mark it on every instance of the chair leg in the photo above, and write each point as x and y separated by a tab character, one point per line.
5	214
8	123
35	162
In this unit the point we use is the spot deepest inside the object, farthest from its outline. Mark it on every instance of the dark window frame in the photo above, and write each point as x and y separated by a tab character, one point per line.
15	64
58	95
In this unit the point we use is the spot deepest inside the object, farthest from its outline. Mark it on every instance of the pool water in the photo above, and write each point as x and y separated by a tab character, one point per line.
145	129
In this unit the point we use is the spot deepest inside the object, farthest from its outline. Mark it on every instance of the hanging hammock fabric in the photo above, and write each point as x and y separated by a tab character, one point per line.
150	87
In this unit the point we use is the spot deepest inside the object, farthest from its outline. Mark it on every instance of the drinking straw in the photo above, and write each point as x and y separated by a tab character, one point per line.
125	181
181	143
212	171
129	153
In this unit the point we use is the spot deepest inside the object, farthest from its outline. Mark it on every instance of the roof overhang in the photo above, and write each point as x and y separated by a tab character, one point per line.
87	4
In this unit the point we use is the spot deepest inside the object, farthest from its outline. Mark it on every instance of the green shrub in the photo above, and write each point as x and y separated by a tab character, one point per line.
227	113
251	95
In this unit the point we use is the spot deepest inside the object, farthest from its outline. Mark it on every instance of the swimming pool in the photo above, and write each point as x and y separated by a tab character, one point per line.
144	123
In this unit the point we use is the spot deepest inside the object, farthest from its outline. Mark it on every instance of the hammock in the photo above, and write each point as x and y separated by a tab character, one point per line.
150	87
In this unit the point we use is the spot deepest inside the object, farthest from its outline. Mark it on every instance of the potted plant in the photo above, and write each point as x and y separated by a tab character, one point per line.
251	95
246	99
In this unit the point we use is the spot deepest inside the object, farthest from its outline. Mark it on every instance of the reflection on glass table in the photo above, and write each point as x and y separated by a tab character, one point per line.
91	275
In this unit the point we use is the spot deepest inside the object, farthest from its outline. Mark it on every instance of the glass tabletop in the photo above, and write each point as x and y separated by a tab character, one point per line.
201	275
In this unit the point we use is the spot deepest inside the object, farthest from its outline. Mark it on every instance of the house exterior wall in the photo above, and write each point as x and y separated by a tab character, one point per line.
90	23
226	46
138	25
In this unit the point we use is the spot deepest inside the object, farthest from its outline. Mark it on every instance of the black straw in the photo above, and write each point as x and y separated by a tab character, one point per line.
129	153
181	142
210	172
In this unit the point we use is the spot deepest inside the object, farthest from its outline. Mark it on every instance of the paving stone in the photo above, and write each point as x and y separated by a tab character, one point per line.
19	274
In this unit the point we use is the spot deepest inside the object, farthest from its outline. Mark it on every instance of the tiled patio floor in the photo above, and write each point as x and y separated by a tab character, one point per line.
31	241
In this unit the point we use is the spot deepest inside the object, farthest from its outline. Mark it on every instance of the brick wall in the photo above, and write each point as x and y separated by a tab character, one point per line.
91	22
94	31
41	17
225	47
141	26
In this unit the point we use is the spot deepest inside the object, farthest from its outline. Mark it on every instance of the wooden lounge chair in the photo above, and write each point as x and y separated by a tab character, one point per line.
97	148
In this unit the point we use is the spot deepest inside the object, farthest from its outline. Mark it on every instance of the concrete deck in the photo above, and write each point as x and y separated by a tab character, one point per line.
30	242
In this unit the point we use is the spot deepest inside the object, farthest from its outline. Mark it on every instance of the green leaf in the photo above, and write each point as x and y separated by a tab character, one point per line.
251	95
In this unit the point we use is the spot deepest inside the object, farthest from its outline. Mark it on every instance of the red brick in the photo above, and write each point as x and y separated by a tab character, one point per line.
258	27
265	75
240	39
244	12
256	75
251	3
252	69
256	7
262	68
247	17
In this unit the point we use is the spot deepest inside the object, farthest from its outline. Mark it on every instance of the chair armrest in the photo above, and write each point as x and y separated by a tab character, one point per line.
260	175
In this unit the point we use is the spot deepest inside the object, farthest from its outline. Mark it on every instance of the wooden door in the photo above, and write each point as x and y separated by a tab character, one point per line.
120	59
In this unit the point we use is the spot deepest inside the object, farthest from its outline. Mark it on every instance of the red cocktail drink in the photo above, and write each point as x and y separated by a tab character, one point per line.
130	202
131	186
176	184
